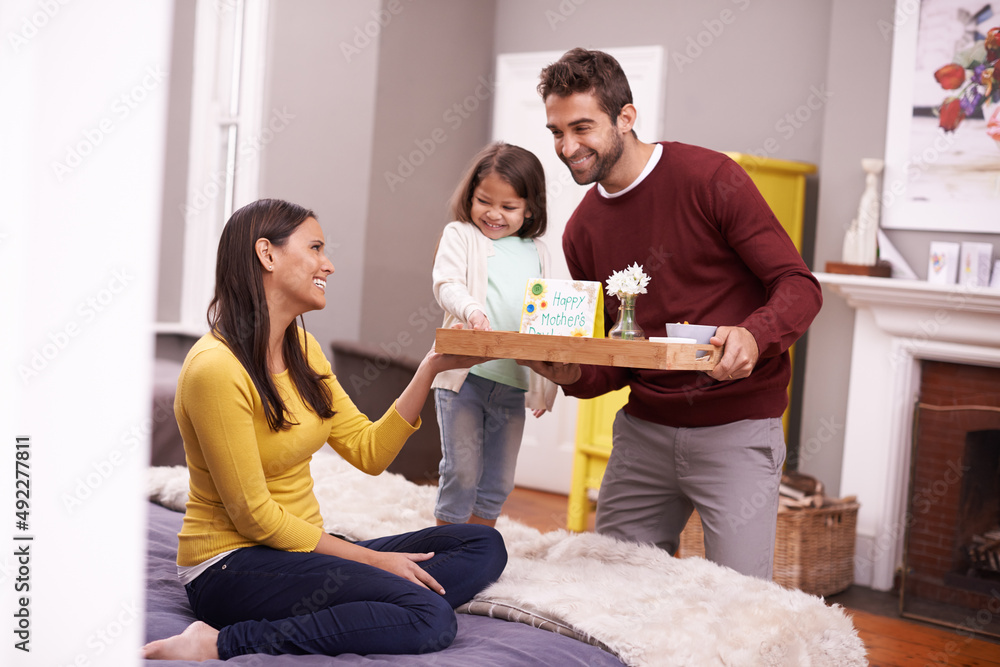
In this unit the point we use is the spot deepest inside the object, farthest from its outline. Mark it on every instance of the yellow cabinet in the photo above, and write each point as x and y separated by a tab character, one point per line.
782	183
595	418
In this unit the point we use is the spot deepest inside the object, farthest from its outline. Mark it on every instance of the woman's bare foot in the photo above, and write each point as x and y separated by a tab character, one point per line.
197	642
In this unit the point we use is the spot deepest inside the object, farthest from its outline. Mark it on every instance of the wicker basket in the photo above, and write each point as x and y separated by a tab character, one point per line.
813	550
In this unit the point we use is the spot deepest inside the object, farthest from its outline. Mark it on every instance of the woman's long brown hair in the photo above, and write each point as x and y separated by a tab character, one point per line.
238	314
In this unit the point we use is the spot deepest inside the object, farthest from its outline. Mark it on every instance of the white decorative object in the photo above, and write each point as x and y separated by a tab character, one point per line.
887	252
942	267
974	269
861	239
995	280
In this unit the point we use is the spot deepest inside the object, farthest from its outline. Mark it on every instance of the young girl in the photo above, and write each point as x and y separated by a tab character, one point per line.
483	263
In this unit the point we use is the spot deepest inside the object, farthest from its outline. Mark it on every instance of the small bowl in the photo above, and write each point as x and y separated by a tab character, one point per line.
701	333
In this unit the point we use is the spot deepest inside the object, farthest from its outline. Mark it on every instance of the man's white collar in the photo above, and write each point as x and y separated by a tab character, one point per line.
650	163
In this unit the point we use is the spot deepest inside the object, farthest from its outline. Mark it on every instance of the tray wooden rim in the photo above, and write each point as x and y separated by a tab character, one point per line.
573	349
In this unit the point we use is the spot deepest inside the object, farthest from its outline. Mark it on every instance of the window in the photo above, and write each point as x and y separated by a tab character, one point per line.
224	156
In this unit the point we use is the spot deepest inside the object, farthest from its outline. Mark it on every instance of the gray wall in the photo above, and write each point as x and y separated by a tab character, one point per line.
175	173
322	69
432	115
734	67
858	74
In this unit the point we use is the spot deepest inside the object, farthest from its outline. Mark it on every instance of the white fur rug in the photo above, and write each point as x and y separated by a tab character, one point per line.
637	601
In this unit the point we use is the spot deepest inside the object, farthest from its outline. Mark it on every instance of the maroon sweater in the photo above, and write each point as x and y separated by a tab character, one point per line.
715	255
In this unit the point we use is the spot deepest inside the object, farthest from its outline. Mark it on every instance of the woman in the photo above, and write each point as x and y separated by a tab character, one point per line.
255	399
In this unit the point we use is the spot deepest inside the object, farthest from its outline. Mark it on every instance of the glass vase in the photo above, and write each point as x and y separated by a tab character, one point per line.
627	328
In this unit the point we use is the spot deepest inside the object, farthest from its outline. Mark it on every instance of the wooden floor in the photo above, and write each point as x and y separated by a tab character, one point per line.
892	641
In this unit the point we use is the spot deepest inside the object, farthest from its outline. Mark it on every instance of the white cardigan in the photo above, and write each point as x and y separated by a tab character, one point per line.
460	288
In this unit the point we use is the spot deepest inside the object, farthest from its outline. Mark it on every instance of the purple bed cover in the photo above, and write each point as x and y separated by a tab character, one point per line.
481	641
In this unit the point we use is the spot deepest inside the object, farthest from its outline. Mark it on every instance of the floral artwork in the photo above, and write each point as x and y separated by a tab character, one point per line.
942	154
973	82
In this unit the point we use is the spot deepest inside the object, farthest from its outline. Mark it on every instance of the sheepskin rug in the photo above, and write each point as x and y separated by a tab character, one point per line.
636	601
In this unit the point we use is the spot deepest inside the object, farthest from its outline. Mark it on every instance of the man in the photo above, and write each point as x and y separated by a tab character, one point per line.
716	255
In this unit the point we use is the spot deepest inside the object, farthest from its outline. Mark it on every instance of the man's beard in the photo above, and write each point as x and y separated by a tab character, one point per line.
603	163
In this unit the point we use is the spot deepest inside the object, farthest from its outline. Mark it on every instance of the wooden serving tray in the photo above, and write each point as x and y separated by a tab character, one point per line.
577	350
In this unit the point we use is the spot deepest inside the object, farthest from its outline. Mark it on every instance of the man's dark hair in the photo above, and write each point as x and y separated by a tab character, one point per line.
583	71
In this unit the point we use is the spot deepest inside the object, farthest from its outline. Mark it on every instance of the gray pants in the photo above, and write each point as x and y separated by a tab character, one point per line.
657	474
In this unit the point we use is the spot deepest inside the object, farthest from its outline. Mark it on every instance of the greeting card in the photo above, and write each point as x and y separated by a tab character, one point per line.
563	308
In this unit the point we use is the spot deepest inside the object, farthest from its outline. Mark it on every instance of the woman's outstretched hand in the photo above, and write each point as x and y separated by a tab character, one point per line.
447	362
411	401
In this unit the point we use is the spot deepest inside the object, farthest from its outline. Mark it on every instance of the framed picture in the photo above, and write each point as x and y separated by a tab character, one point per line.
943	137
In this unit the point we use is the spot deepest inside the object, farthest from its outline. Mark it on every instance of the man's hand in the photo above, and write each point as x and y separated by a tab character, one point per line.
556	371
740	355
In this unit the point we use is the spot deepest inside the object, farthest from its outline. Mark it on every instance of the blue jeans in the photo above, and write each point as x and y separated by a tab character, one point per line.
268	601
481	428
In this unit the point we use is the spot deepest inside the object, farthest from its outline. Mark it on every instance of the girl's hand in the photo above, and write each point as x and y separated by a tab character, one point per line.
538	413
405	565
479	321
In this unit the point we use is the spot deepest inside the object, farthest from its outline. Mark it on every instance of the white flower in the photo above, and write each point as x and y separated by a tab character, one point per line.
630	281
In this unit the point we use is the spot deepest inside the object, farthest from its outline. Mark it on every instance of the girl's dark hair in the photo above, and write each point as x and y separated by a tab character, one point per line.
519	168
238	314
583	71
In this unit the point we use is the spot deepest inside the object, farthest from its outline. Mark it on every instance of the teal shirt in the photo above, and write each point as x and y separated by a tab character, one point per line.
514	262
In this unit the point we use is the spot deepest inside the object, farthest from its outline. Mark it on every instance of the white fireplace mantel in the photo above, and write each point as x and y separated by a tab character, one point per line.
897	324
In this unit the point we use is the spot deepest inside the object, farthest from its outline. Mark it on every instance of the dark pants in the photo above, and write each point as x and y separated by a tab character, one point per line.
270	601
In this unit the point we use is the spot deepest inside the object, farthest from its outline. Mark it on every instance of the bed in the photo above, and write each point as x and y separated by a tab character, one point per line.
565	598
481	640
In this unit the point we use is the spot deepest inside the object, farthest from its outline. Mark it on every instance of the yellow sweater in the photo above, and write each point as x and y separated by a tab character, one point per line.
251	485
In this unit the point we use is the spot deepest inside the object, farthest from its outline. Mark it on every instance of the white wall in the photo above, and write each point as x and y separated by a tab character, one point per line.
82	174
432	115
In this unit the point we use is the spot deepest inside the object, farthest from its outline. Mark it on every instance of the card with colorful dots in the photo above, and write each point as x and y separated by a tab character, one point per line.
563	308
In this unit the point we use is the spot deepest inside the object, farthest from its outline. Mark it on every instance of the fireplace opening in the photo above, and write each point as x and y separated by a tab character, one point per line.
977	532
951	559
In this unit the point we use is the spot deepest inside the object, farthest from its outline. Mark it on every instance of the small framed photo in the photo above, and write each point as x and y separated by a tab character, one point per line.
942	267
975	265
